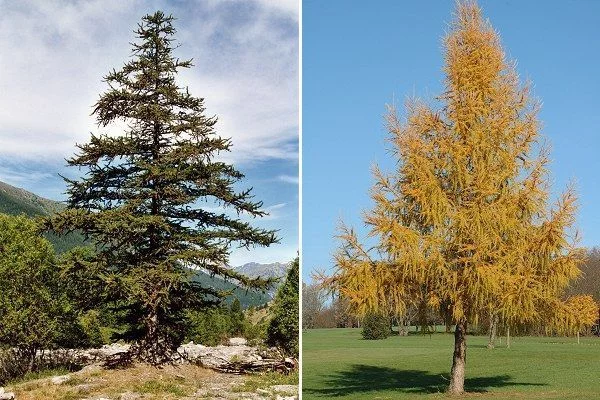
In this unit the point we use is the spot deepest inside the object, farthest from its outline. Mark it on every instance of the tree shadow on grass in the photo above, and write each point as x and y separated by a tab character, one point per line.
367	378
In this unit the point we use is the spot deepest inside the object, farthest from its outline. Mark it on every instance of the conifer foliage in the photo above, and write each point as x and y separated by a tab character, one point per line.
149	195
464	224
283	330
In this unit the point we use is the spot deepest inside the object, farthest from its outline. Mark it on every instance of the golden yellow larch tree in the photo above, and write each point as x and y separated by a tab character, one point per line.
574	315
464	222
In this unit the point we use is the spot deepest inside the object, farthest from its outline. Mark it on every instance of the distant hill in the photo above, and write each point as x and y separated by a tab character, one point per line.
274	270
16	201
247	298
253	270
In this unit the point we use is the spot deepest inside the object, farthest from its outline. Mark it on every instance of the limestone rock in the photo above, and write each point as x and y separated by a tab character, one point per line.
285	389
6	395
236	357
90	369
219	356
83	388
59	380
130	396
237	341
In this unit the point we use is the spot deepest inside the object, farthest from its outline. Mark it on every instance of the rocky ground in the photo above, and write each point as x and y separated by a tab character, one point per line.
146	382
195	374
236	354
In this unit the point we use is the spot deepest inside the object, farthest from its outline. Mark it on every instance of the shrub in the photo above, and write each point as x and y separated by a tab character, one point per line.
376	326
33	311
209	327
255	332
237	318
215	325
92	328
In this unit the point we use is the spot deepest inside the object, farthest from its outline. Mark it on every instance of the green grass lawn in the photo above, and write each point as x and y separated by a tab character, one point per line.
338	363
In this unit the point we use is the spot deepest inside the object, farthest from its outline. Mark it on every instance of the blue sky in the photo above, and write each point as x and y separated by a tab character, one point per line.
53	56
359	56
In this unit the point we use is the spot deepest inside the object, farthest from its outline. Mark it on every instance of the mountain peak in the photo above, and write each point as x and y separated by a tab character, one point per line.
255	270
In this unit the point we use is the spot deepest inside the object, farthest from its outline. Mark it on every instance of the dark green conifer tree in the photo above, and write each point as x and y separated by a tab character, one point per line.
283	330
237	318
148	196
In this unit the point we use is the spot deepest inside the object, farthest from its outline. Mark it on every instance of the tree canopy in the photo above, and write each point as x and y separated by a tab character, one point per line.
34	311
464	223
157	200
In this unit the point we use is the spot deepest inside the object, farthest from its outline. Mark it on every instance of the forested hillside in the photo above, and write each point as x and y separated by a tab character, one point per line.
15	201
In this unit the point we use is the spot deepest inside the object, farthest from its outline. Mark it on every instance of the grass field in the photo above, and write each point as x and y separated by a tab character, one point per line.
338	363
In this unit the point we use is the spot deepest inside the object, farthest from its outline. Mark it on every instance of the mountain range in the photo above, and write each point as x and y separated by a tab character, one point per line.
255	270
15	201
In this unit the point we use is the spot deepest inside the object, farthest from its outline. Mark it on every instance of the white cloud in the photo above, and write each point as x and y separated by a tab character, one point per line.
274	212
53	56
289	179
289	7
275	207
20	178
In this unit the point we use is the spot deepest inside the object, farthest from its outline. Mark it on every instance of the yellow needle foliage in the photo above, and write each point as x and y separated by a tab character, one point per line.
576	314
465	220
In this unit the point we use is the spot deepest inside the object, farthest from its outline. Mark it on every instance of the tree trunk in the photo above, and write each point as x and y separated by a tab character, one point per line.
154	348
508	337
577	337
31	353
448	320
493	326
459	358
152	345
422	316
